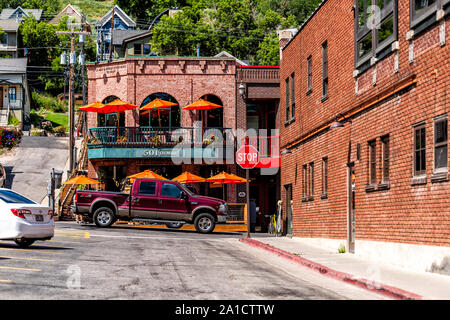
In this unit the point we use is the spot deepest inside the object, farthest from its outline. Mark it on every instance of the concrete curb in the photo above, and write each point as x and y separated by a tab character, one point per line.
380	288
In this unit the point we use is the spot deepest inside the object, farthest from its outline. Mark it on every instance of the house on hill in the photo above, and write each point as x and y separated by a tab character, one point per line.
19	13
69	11
14	92
107	24
9	40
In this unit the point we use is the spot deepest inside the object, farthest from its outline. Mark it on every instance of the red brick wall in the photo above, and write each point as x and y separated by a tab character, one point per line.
406	213
185	79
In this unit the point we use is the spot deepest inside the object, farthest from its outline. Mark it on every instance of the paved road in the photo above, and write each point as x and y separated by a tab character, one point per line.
28	167
84	262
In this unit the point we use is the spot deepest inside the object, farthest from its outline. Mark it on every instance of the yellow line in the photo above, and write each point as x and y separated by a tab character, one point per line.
62	241
31	259
85	235
29	250
72	237
23	269
5	281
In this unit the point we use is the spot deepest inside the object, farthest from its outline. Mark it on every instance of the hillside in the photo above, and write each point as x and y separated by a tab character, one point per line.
93	9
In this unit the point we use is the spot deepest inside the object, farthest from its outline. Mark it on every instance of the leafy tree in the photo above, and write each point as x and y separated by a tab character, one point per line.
146	10
48	6
10	3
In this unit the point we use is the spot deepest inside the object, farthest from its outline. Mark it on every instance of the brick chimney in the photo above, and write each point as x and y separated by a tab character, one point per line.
283	38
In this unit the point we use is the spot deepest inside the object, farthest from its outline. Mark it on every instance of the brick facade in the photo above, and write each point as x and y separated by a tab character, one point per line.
186	79
384	99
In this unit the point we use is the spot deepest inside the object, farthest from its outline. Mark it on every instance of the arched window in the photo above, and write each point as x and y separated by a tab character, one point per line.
161	117
115	119
214	117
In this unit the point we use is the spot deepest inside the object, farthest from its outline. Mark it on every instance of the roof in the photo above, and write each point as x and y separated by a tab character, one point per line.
225	54
69	10
119	12
10	65
142	34
120	35
7	13
9	25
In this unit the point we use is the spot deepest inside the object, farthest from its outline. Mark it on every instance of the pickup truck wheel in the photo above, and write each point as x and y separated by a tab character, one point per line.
104	217
204	223
174	225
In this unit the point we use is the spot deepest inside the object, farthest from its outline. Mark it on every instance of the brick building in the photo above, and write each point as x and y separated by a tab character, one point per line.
364	130
123	144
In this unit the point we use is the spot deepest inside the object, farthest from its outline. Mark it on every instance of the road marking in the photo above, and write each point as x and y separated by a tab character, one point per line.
29	250
62	241
5	281
31	259
155	238
23	269
84	235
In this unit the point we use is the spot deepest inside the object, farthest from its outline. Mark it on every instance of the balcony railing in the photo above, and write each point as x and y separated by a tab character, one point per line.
162	137
266	146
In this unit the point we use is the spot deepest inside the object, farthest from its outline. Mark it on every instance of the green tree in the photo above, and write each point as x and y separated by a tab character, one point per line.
48	6
146	10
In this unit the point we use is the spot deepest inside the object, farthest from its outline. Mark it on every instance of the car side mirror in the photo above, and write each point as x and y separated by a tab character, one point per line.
183	196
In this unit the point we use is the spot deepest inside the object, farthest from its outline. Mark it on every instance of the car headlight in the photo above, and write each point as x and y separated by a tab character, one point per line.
223	208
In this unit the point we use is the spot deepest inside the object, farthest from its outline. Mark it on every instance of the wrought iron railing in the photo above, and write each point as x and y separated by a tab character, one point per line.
162	137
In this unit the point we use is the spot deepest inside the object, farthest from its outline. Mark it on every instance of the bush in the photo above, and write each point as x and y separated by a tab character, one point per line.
10	137
36	132
13	121
47	126
59	131
46	102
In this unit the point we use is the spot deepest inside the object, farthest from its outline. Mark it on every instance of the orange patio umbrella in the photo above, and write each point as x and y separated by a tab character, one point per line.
158	104
81	179
202	104
93	107
225	178
114	106
119	105
187	177
148	174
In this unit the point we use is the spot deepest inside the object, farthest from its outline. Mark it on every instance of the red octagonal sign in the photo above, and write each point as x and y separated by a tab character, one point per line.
247	157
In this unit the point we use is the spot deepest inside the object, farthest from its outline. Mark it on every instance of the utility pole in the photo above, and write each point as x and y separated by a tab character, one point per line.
72	61
83	75
111	38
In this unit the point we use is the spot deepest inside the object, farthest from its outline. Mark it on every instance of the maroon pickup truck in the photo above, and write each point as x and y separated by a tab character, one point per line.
152	201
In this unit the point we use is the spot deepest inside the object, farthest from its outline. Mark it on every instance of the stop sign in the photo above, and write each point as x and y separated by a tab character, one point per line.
247	157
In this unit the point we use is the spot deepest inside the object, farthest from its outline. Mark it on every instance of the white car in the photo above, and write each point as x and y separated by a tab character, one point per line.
23	220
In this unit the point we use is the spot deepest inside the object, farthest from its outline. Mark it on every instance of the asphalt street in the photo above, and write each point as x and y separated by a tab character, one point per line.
85	262
28	166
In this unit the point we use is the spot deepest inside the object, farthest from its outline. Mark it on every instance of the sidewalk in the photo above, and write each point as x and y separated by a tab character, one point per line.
387	279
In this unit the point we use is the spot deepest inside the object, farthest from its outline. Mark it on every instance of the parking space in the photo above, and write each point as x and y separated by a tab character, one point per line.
41	265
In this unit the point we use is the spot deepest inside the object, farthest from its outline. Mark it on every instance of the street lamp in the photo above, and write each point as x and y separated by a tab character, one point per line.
285	152
336	123
241	89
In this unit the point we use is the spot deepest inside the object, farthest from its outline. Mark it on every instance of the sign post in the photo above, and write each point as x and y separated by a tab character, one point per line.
247	157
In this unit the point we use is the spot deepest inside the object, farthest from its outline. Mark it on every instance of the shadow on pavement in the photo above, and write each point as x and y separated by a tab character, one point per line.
157	229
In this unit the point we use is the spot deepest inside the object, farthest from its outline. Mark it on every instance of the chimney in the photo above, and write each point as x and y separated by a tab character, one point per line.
283	38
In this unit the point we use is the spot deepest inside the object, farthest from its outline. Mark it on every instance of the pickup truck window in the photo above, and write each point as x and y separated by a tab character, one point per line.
170	190
147	188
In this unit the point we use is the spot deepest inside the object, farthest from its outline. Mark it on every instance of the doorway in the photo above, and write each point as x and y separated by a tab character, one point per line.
351	178
288	208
